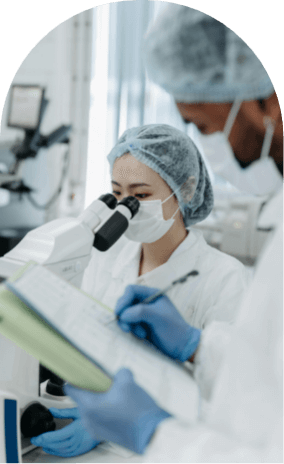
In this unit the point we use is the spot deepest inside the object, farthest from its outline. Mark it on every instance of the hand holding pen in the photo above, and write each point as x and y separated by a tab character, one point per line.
158	320
154	293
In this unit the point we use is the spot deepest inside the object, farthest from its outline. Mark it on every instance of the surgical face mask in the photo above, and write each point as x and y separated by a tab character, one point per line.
261	177
149	225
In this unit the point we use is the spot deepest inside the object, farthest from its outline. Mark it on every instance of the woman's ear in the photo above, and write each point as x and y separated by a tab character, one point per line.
187	190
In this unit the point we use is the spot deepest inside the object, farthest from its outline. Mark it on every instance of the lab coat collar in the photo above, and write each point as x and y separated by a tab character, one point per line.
177	265
127	261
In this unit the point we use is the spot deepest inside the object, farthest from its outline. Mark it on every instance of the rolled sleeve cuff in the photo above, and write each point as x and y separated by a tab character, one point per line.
192	344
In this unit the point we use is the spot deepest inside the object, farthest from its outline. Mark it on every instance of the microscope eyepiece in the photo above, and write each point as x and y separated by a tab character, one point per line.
132	204
109	200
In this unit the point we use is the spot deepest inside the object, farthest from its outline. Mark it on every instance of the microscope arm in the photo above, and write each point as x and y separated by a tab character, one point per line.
65	245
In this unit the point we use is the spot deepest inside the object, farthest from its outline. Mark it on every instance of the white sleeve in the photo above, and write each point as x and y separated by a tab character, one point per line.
209	356
176	441
226	289
245	421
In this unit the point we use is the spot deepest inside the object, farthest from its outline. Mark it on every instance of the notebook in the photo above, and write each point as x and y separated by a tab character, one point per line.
78	338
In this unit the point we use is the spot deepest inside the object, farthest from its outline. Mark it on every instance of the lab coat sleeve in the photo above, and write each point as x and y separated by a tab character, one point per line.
176	441
209	356
225	289
217	323
245	420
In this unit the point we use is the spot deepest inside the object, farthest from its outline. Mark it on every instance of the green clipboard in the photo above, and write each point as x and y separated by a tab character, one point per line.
31	333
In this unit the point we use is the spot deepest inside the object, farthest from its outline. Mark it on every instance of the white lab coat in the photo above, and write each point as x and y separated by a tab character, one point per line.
213	295
245	420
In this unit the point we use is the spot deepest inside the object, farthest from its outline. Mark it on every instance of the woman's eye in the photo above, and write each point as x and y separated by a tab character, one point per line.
142	195
116	193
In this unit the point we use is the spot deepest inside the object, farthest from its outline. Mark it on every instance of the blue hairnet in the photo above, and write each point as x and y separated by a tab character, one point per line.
196	58
173	155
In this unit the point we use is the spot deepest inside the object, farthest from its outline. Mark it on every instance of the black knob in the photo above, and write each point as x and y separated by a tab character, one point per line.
54	385
109	200
132	204
36	420
45	374
53	388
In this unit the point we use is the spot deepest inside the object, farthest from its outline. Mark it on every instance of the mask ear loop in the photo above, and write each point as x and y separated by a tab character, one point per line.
164	201
175	212
268	136
172	194
232	117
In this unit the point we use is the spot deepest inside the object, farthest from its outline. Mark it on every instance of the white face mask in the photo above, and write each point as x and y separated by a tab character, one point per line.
261	177
149	225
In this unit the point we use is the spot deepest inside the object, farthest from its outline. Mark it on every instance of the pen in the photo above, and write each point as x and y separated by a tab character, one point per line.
150	299
181	280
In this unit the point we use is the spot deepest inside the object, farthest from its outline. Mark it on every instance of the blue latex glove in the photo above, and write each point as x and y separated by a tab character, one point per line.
70	441
159	322
125	414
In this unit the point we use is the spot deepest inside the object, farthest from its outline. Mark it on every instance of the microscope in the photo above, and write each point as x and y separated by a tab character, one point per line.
64	246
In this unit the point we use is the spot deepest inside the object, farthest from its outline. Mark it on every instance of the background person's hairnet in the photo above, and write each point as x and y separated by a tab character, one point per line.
173	155
196	58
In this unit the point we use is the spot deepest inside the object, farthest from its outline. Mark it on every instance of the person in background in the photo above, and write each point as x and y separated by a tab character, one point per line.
220	85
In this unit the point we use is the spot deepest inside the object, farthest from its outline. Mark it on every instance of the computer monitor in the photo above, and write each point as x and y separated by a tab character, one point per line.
25	106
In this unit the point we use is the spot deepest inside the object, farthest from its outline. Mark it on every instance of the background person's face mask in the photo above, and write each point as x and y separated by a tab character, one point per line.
261	177
149	225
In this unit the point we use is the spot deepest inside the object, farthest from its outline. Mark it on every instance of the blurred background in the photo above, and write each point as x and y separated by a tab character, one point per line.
92	72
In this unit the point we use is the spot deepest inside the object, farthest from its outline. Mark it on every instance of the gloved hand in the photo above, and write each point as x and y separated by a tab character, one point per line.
125	414
70	441
159	322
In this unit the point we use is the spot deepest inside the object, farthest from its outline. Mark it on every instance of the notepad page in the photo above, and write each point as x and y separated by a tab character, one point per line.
93	330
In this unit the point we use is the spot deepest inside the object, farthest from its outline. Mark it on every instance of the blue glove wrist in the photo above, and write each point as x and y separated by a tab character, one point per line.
191	346
125	414
146	427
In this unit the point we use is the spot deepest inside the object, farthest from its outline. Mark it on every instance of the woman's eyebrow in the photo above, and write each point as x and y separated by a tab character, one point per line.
132	185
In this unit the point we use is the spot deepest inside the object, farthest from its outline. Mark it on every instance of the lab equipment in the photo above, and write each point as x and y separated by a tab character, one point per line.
149	224
4	197
173	155
26	106
233	225
35	420
26	110
72	440
125	402
63	245
198	59
158	321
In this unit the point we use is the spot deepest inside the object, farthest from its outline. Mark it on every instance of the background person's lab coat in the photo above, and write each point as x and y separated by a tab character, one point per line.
245	421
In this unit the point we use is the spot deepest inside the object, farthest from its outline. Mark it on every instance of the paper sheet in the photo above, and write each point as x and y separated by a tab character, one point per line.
91	328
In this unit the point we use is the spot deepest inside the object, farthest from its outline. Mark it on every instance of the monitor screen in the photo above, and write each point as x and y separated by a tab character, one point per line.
25	106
